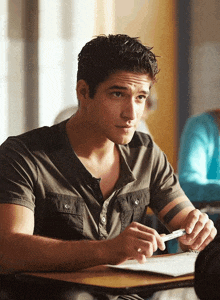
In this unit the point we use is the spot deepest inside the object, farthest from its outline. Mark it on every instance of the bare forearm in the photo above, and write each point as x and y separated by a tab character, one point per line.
26	252
21	252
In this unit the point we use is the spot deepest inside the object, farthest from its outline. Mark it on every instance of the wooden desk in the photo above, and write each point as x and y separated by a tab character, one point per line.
112	281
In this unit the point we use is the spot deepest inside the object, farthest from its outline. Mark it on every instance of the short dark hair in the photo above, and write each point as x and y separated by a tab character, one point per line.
105	55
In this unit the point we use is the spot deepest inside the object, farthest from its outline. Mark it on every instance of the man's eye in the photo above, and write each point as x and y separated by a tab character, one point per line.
117	94
142	97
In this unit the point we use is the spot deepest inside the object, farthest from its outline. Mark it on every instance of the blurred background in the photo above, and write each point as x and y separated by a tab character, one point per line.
40	41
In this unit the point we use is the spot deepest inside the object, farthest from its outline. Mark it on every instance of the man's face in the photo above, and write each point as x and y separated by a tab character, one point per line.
118	105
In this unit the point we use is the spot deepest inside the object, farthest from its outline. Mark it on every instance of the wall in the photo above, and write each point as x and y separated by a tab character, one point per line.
12	119
205	55
64	27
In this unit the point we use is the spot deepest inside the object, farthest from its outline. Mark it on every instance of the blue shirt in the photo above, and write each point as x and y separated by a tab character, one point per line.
199	159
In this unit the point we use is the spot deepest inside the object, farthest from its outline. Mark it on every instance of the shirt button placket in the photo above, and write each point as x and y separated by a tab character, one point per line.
136	202
67	206
97	189
103	221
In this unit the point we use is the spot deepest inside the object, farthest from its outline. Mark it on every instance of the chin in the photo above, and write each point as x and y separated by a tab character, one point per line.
124	140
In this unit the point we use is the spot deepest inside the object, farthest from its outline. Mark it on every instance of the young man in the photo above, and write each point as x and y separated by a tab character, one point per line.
75	195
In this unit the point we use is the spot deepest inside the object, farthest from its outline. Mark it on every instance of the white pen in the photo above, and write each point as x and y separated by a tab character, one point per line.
175	234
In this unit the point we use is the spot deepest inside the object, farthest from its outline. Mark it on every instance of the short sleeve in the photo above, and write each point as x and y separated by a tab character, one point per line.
17	174
165	186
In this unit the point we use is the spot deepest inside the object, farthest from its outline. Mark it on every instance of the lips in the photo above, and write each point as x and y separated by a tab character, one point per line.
126	129
125	126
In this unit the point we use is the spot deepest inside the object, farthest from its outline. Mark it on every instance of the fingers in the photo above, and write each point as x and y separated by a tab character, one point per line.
135	242
201	245
200	230
145	235
142	253
143	240
158	241
195	221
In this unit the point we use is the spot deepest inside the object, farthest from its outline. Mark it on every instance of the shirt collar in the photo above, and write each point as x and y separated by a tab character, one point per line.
126	176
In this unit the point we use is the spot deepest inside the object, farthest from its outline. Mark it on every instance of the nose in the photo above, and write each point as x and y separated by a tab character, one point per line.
129	110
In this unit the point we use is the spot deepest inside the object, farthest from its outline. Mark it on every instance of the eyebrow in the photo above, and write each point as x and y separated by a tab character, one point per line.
118	87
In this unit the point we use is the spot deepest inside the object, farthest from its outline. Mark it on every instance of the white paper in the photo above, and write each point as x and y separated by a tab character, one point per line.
172	265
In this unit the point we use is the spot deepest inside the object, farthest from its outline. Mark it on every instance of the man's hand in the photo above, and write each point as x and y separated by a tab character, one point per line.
135	242
200	231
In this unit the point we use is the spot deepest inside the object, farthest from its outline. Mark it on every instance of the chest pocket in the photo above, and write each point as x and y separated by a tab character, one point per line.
133	207
62	217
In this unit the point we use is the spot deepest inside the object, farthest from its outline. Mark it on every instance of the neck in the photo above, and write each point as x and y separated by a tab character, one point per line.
85	142
99	156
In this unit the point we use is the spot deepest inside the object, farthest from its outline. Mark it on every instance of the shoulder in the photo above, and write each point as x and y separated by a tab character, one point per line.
204	119
201	124
142	147
43	138
140	139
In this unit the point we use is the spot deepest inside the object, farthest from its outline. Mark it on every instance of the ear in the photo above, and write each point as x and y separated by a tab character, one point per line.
82	90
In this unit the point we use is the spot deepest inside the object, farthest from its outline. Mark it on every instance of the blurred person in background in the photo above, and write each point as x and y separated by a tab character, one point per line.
199	160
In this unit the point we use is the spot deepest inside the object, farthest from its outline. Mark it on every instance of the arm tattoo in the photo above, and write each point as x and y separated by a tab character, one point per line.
175	210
